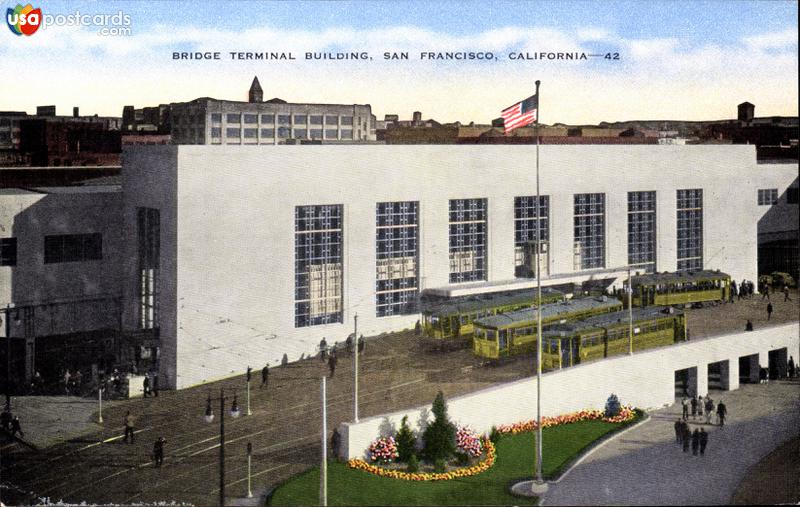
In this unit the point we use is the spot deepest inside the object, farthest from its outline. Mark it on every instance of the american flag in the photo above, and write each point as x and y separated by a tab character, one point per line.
521	114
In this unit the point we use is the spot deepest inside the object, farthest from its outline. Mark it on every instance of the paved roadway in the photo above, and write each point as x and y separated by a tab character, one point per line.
645	466
398	371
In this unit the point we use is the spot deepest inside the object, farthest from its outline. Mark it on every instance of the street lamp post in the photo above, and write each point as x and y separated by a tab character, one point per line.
249	469
100	403
323	476
630	312
355	369
249	376
209	417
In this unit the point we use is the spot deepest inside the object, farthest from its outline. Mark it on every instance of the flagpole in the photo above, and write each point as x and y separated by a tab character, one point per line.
538	309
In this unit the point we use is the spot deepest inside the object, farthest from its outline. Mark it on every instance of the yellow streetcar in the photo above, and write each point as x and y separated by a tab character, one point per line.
513	333
607	335
445	318
681	288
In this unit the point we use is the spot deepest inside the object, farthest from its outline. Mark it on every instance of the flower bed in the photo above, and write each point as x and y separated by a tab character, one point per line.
626	414
483	465
384	448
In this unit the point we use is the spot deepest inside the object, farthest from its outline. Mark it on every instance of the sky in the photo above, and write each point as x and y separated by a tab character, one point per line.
676	59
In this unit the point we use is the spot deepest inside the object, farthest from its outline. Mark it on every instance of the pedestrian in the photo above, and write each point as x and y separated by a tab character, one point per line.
769	310
361	344
323	349
763	375
264	376
703	441
709	409
694	406
146	385
332	363
786	294
765	294
685	404
5	420
129	423
733	291
678	431
16	428
158	451
748	326
687	437
700	405
67	377
336	443
742	289
790	369
722	412
155	385
695	441
348	343
78	382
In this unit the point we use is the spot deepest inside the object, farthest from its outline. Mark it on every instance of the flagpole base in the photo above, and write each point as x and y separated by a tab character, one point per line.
530	488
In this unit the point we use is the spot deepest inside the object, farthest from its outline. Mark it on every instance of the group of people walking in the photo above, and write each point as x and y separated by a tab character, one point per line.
685	437
699	406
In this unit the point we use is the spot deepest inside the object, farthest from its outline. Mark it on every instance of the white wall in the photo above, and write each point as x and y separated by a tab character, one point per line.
234	226
778	221
644	380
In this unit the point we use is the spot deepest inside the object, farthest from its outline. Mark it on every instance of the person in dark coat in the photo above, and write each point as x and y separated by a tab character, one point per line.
733	291
765	294
786	294
790	369
687	437
722	412
695	441
703	441
694	406
158	451
129	424
5	420
769	311
155	385
146	385
323	349
332	363
348	343
16	428
336	443
361	344
264	376
679	431
748	326
685	406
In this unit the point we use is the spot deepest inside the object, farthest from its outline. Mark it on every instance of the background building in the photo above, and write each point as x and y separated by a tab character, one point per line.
211	121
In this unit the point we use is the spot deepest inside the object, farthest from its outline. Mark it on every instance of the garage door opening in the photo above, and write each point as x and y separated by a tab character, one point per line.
686	382
719	376
748	369
777	363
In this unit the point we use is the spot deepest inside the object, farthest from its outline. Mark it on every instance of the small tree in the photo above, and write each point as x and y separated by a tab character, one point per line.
440	436
413	464
613	406
406	442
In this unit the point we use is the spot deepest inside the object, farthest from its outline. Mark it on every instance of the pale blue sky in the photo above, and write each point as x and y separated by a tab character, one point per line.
692	60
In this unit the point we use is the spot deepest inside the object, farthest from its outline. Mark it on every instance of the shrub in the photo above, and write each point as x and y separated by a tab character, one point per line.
613	406
383	450
440	436
406	442
439	466
413	464
462	459
494	435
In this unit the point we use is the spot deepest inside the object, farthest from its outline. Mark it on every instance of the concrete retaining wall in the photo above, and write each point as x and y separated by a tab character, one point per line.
645	380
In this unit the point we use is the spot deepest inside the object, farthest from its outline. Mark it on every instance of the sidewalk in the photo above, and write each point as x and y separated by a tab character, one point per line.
646	467
49	420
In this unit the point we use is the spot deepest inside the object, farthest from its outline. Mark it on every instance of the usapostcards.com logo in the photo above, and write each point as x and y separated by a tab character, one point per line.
24	20
27	20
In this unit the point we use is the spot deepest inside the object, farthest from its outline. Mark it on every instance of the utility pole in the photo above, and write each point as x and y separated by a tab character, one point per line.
323	471
630	312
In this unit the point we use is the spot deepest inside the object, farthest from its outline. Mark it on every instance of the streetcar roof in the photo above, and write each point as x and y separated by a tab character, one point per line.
548	310
471	303
677	277
609	319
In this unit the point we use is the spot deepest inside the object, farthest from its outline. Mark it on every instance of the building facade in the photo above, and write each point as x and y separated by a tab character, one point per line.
293	243
212	121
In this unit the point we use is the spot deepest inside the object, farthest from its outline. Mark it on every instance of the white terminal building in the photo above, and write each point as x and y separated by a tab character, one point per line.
213	258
